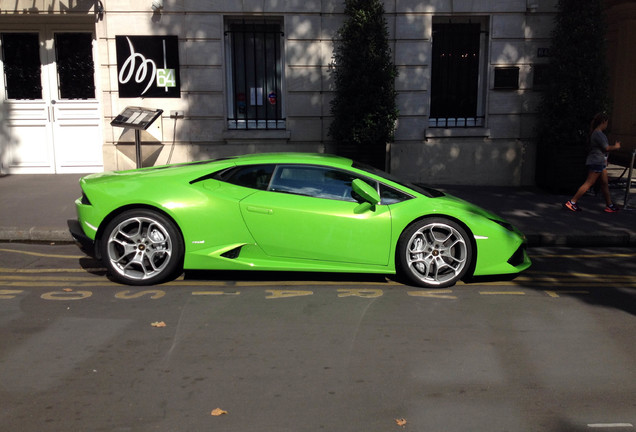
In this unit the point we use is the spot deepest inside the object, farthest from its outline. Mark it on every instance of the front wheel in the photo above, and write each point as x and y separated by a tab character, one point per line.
142	247
434	253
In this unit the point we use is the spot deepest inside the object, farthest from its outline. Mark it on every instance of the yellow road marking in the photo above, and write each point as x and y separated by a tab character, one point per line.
363	293
153	294
43	254
502	293
64	296
276	294
9	294
51	278
214	293
52	270
555	294
442	294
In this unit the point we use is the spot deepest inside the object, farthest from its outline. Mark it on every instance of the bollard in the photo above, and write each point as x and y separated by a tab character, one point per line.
629	182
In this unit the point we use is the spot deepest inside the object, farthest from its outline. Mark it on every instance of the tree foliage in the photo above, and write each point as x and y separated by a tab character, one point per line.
576	89
364	107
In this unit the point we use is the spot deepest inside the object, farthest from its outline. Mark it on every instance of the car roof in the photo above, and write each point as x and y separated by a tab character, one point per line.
292	157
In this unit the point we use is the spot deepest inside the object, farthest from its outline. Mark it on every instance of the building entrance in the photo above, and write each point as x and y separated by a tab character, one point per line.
51	121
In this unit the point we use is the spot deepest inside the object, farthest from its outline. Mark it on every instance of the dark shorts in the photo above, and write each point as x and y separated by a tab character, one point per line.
596	168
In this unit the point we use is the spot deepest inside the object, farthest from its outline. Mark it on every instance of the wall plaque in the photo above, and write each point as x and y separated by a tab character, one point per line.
148	66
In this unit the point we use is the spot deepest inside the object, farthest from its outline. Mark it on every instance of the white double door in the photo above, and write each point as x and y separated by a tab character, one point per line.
51	117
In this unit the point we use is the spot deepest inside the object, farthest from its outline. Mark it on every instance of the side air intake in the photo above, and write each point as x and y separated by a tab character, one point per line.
232	253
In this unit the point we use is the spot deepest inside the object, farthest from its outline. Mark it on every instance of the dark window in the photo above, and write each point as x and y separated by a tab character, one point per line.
455	75
392	196
75	67
255	75
22	71
252	176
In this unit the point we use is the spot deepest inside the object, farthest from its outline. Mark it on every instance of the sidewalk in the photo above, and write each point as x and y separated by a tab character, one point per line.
36	208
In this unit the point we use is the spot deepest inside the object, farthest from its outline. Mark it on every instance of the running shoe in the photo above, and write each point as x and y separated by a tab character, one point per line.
573	207
611	209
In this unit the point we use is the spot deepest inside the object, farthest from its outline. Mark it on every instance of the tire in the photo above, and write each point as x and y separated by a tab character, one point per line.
434	253
142	247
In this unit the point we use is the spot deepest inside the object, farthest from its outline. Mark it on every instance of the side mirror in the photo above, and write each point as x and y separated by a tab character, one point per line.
367	193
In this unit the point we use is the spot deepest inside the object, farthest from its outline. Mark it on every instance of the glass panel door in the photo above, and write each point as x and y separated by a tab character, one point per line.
21	55
75	111
51	119
75	66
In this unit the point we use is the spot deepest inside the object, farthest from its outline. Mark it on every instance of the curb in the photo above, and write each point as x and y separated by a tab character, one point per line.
35	234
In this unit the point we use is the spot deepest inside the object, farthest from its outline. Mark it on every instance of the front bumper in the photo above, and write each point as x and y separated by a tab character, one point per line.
86	244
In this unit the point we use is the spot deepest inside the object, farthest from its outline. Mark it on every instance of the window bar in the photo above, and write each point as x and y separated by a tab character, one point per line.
265	82
234	78
277	107
246	87
255	79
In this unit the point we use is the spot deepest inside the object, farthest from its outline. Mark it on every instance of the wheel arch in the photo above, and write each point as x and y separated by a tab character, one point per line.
473	243
113	214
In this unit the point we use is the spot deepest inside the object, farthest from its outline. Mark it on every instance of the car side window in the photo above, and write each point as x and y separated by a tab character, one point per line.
317	182
390	195
250	176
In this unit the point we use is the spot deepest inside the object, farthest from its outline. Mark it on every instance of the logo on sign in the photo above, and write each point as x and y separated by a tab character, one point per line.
148	66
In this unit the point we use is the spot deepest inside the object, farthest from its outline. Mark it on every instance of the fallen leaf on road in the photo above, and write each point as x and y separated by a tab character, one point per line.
67	290
400	422
158	324
217	412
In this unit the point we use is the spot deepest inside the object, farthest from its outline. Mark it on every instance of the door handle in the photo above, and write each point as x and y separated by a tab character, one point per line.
260	210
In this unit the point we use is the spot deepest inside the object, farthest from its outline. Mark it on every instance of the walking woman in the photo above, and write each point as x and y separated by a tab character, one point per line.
596	163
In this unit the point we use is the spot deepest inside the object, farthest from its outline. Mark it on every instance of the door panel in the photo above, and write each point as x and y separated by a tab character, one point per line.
78	136
293	226
29	121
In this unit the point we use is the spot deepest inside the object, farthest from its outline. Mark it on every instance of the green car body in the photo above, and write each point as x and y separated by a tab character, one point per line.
239	214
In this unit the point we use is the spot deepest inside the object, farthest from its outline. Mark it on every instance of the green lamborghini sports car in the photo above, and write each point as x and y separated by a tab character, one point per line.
287	212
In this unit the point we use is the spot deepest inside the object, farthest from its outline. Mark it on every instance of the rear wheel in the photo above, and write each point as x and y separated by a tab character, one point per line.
142	247
434	253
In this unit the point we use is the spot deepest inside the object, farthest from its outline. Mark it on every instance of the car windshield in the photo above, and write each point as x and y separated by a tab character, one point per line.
424	190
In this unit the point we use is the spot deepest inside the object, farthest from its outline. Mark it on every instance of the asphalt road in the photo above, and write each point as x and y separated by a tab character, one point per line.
551	350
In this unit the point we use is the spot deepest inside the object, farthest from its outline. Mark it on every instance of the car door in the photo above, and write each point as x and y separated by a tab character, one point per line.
308	212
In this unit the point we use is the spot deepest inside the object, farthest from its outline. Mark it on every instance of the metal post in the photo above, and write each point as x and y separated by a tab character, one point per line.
138	147
629	182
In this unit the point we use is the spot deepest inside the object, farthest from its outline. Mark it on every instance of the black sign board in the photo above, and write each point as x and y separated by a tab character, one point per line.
507	78
136	118
148	66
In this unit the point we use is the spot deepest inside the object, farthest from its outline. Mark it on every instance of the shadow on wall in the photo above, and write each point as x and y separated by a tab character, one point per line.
74	6
7	141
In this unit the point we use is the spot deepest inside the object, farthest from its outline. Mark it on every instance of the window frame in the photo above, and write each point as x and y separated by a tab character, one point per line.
479	119
234	121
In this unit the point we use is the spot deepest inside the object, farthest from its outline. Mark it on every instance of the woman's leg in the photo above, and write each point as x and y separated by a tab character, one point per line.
592	177
605	188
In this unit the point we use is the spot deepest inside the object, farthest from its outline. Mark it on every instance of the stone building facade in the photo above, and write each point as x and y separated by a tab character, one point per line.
254	76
